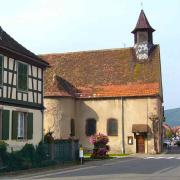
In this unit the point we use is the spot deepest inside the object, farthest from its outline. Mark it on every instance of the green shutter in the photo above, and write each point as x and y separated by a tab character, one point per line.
1	67
30	126
5	124
14	124
22	76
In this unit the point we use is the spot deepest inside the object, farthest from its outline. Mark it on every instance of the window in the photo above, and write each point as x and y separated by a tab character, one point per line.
72	128
112	127
21	119
90	127
22	76
4	124
1	69
22	125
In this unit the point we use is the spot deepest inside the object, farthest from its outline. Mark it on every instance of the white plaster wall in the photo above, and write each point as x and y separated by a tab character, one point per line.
5	61
39	73
136	111
11	62
34	71
57	117
101	110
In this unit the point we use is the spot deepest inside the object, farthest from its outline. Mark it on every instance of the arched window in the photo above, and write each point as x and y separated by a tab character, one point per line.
90	127
112	127
72	127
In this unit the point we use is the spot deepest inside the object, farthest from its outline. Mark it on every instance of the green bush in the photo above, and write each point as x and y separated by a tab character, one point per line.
3	151
178	143
22	159
14	161
40	153
48	138
28	152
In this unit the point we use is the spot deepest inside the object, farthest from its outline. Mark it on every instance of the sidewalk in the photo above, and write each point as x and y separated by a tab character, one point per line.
57	169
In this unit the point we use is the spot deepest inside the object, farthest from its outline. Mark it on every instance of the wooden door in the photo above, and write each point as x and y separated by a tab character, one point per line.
140	145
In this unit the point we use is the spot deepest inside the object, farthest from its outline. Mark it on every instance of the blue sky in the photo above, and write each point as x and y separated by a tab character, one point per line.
54	26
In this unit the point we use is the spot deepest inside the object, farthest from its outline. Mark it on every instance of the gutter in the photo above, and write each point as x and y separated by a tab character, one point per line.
38	60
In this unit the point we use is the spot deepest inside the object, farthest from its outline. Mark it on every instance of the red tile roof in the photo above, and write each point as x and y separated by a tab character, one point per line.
103	73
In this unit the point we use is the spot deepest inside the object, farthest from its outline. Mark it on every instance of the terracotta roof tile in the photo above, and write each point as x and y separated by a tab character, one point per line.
103	73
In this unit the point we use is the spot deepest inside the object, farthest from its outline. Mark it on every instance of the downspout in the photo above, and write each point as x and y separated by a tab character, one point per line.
147	122
122	119
42	111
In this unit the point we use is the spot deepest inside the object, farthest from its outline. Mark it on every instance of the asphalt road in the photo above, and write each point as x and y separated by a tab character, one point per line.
158	167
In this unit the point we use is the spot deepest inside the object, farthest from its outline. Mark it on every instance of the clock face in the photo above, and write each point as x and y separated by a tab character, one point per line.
141	50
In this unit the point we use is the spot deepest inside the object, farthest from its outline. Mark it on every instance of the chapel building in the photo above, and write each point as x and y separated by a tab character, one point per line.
117	92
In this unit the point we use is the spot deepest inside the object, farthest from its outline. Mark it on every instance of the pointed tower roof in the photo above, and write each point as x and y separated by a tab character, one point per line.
143	23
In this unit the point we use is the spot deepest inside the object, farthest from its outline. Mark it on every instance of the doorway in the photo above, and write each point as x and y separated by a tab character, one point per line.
140	144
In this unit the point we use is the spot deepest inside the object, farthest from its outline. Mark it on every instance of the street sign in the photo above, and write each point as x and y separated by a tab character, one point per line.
81	154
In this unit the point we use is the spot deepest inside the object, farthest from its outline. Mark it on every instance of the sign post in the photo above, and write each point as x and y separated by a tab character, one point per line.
81	154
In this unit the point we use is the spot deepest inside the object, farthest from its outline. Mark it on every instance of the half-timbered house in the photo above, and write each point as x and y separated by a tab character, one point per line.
21	93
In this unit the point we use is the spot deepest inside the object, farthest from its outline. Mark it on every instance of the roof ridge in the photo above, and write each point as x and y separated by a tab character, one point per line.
86	51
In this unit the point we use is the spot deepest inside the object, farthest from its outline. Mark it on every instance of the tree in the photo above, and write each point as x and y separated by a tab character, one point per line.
168	133
55	112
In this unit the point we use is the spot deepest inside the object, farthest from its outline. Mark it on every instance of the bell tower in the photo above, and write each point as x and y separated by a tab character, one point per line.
143	37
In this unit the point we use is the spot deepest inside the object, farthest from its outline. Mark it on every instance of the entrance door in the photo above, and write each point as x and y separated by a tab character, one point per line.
140	146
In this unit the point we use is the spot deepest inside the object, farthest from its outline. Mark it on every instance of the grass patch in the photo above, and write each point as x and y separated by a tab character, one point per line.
118	155
88	155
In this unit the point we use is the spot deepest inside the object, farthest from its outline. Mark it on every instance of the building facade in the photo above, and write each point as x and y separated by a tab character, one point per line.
21	93
117	92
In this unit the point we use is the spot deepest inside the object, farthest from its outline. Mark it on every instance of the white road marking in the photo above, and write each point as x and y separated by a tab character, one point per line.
148	157
161	157
56	173
170	157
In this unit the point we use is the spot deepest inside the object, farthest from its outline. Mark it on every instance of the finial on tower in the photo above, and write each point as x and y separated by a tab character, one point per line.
141	4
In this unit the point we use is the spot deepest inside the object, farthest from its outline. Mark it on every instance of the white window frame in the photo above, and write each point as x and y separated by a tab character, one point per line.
20	129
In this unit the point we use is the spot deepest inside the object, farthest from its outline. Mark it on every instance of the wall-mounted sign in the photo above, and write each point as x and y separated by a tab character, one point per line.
130	140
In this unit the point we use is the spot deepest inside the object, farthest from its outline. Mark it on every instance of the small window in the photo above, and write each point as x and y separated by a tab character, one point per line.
21	120
22	76
72	128
22	125
90	127
1	69
112	127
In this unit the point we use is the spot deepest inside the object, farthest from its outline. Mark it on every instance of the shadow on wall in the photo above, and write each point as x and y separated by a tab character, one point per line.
85	114
66	86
